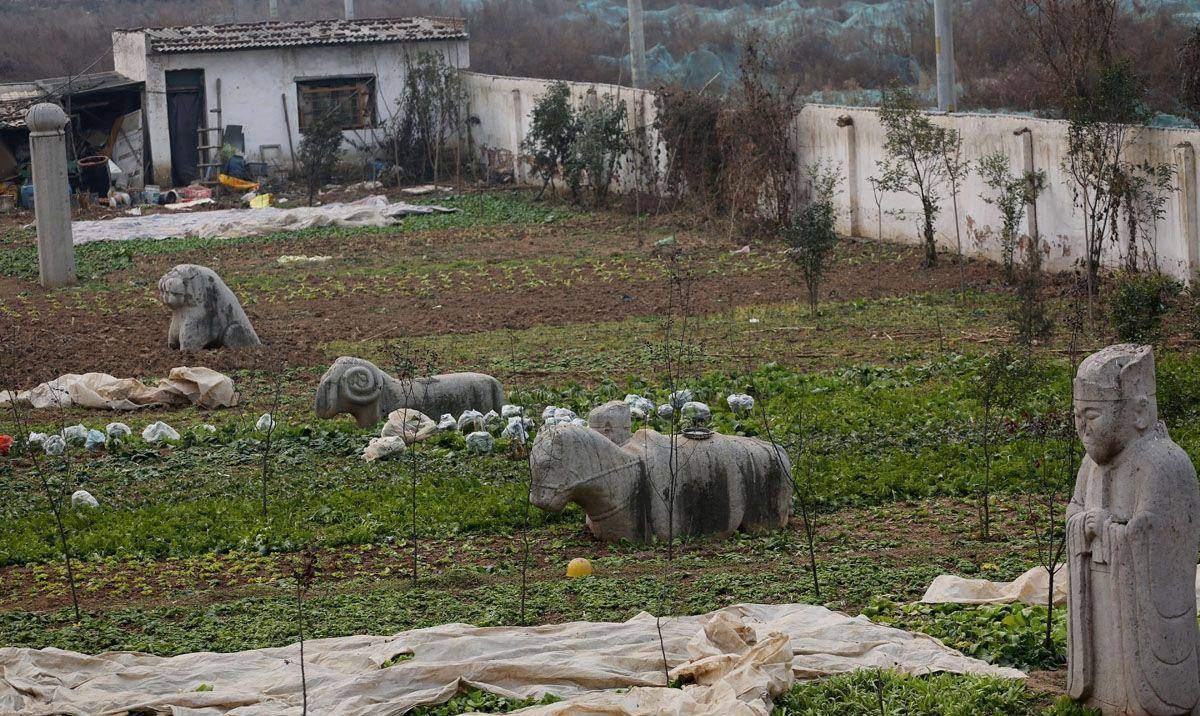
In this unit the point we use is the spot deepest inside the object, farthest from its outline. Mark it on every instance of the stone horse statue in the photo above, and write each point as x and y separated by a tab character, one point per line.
359	387
723	483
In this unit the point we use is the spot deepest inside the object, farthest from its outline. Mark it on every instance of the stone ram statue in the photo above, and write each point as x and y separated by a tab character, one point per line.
724	483
204	312
359	387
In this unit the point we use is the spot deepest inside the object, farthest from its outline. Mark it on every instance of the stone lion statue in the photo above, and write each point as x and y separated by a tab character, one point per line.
204	311
359	387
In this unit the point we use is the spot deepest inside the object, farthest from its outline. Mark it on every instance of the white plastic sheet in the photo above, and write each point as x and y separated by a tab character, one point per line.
203	387
735	656
1031	587
229	223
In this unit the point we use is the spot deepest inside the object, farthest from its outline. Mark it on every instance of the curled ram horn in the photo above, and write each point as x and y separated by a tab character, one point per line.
362	384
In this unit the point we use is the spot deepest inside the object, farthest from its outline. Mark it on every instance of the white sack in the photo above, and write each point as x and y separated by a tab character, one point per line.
578	661
412	425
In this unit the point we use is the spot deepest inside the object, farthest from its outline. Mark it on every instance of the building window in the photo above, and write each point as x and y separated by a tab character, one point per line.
349	100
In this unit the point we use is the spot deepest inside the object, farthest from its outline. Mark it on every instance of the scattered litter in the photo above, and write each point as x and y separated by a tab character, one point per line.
740	403
480	442
382	448
637	414
696	414
118	431
6	443
261	201
412	425
288	260
365	186
744	250
135	211
492	420
36	439
207	428
83	498
159	431
665	411
753	320
511	411
177	206
665	243
229	223
191	192
54	445
237	184
95	441
425	189
1031	588
447	422
470	419
265	423
75	434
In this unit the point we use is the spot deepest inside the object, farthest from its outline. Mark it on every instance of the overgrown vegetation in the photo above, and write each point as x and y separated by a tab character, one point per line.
429	136
915	163
320	147
1137	303
810	232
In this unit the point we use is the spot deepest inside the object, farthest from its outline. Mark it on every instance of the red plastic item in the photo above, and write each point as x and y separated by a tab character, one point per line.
6	442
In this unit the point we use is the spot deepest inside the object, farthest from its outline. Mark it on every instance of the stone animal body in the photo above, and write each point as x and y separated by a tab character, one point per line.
723	484
205	313
359	387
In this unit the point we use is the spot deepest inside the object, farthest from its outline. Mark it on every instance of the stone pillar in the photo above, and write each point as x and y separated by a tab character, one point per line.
847	122
1189	227
943	21
51	195
1027	166
518	136
637	45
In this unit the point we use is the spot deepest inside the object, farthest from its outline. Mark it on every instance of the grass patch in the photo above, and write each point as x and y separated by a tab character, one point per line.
871	693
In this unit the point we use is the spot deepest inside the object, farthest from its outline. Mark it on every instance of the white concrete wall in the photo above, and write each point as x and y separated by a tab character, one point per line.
1058	222
253	82
503	105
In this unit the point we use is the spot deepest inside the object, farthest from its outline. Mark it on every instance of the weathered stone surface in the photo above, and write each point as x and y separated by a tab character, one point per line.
1133	531
358	387
613	420
724	483
204	311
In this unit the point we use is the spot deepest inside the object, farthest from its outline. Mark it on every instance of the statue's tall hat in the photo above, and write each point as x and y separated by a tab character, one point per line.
1117	372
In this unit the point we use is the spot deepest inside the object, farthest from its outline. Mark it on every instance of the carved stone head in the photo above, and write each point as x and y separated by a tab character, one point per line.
352	385
1114	399
178	287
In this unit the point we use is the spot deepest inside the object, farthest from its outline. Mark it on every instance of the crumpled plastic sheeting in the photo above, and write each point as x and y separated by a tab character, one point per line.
230	223
580	661
203	387
1030	588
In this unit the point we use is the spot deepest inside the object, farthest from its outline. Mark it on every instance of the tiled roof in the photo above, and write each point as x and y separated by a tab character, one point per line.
262	35
16	98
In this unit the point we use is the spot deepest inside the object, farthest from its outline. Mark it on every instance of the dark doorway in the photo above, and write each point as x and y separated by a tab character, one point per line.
185	108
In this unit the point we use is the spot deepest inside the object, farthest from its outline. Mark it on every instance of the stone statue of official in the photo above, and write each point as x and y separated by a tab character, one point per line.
1133	530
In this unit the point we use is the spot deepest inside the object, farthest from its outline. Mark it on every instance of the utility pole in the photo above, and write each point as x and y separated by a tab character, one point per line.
349	9
943	21
637	45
